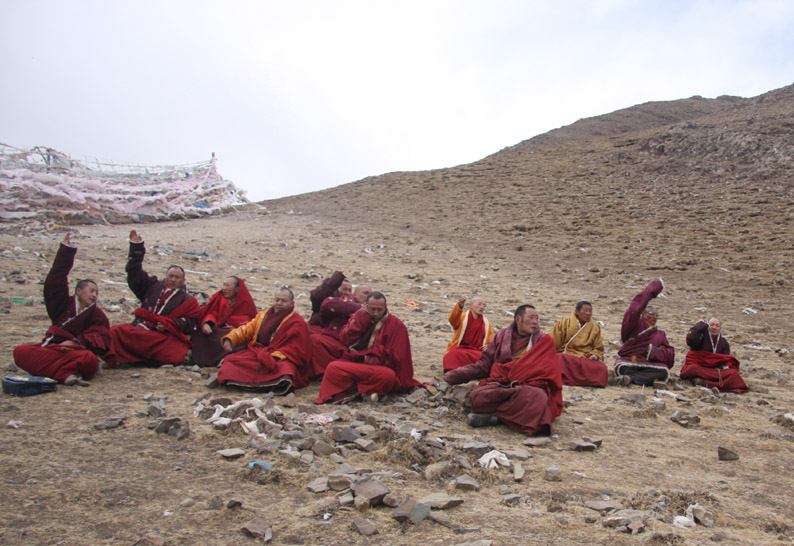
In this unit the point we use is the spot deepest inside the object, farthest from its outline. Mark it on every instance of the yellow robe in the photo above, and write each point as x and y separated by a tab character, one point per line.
575	339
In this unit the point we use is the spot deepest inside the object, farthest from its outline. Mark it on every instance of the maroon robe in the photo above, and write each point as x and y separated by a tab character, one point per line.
90	328
325	346
138	342
645	347
277	361
326	289
709	360
525	393
378	359
470	348
223	318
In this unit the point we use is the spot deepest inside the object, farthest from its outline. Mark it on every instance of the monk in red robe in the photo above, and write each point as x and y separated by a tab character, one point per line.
163	322
473	332
80	331
333	287
646	355
580	348
276	354
377	360
228	308
709	361
521	381
334	312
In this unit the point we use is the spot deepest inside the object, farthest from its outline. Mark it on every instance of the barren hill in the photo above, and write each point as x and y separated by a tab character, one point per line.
696	191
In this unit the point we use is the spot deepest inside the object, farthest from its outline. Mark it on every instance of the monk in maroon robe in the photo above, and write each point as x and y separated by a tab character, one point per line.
333	287
709	361
377	360
646	355
227	309
473	332
276	354
167	316
334	312
521	380
80	330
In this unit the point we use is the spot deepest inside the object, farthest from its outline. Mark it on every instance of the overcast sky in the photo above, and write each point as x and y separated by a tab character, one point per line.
299	96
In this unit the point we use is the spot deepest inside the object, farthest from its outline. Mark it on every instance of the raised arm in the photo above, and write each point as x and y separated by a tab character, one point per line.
137	279
56	286
631	319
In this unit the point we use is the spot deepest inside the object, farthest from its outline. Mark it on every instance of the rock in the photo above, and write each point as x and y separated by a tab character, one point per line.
361	504
537	441
215	503
582	446
148	396
230	454
391	499
372	490
212	381
164	425
518	472
604	506
344	434
577	421
340	482
520	454
466	483
365	444
187	503
618	521
685	418
442	518
150	539
156	408
403	512
234	503
419	513
512	499
700	515
329	503
109	423
364	526
347	499
477	449
289	401
596	441
553	474
441	501
416	396
180	429
306	457
481	542
257	528
318	485
725	454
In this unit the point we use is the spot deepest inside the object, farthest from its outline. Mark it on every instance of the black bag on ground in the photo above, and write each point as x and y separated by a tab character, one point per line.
16	385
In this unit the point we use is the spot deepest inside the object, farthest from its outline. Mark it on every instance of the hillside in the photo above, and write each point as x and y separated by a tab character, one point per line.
697	191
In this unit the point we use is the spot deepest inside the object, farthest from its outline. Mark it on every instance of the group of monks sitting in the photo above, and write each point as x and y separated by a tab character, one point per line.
356	346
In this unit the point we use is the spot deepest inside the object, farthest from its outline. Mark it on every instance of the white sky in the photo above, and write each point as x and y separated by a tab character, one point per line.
299	96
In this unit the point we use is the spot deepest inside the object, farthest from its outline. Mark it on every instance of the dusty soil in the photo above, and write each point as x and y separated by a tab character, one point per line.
545	225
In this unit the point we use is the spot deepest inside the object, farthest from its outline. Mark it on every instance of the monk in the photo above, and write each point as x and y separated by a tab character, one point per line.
163	322
580	348
334	312
334	286
276	354
709	361
80	331
377	360
472	333
646	355
521	381
227	309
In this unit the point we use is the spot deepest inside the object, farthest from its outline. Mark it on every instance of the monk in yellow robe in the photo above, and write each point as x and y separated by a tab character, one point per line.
473	332
580	348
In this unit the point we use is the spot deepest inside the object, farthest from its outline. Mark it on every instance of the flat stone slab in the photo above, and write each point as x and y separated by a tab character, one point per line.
537	442
725	454
318	485
364	526
582	446
467	483
232	453
604	506
344	434
441	501
372	490
256	528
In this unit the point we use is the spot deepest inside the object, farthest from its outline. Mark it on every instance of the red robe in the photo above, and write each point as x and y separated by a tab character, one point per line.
138	342
524	393
325	346
470	347
90	328
326	289
282	365
714	370
207	348
378	359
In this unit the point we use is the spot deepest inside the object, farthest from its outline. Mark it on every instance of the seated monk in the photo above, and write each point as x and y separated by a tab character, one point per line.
163	322
335	312
80	330
521	381
472	333
580	349
646	355
377	361
333	287
276	357
709	361
227	309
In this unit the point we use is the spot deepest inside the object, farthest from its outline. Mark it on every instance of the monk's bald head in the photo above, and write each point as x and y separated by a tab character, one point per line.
715	326
477	306
283	299
361	293
174	277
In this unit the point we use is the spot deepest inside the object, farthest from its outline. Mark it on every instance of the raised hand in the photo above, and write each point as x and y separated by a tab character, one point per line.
134	237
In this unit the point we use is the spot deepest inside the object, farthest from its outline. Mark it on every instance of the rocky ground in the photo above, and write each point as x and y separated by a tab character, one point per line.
596	218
